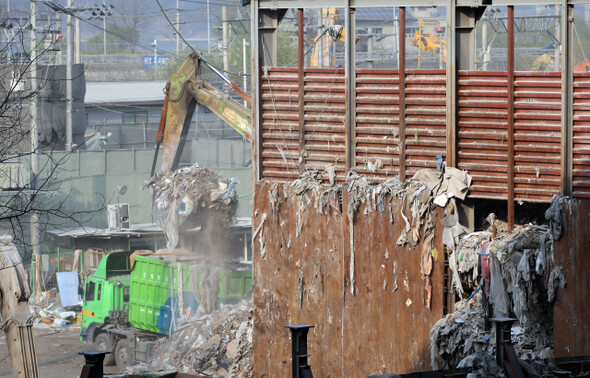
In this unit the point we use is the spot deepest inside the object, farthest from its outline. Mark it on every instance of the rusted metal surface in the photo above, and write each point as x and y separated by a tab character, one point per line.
571	313
402	94
305	278
324	120
537	135
301	84
581	135
279	115
425	119
482	123
377	123
482	140
510	120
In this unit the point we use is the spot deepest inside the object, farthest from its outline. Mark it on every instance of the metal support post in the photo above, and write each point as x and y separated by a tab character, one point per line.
350	85
93	367
451	95
567	97
69	77
402	94
301	88
299	366
510	128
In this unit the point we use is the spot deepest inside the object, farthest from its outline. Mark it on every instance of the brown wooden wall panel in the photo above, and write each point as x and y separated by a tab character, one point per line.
537	135
581	135
324	120
425	118
305	279
482	131
280	127
377	123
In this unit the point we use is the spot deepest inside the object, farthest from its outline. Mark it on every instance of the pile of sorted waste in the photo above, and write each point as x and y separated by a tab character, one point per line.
194	196
517	275
218	344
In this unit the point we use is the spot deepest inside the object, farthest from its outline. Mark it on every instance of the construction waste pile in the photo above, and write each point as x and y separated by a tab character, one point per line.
513	275
217	344
191	197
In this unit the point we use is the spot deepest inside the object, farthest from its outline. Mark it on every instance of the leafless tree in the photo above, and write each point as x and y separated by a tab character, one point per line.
21	192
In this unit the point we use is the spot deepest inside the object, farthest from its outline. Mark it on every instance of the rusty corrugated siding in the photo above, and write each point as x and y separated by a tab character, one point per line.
581	135
324	120
425	118
481	133
383	328
571	313
482	124
537	139
377	122
279	120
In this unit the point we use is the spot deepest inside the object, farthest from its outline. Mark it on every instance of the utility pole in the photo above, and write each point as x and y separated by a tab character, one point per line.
104	32
69	76
78	50
177	29
225	38
208	28
34	147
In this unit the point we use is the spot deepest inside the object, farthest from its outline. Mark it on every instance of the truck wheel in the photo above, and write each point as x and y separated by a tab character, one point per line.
102	342
123	354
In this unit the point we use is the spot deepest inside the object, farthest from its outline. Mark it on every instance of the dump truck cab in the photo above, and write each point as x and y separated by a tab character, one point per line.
106	295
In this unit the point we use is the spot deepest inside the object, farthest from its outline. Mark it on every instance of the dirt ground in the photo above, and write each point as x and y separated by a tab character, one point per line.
57	353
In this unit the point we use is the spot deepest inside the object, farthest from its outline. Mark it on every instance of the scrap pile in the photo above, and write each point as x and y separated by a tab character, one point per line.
217	344
519	279
197	196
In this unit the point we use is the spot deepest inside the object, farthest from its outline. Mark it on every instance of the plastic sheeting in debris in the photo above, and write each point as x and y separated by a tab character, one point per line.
519	278
218	344
194	193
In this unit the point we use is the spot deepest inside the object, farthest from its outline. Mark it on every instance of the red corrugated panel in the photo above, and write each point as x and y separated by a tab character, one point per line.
425	118
324	120
377	123
537	135
482	125
581	129
280	127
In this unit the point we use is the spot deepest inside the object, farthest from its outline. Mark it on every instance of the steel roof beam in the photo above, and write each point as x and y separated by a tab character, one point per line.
286	4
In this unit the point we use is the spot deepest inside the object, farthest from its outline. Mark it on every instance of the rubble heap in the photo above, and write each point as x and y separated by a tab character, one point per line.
518	277
218	344
197	195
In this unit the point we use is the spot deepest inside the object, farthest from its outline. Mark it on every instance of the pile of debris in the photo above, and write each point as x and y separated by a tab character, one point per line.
217	344
516	275
194	196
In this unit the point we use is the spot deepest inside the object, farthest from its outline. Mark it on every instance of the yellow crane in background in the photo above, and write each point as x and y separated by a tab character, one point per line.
430	43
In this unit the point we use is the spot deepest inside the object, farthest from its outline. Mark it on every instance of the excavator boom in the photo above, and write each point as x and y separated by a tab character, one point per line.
183	91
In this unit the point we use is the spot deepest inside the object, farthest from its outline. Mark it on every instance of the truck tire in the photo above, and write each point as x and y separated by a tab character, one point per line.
102	341
123	355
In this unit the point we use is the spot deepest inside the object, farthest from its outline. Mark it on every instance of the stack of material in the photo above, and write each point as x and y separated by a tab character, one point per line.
521	281
198	195
217	344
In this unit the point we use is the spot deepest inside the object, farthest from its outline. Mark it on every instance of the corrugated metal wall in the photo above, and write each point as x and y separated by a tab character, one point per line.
481	127
581	137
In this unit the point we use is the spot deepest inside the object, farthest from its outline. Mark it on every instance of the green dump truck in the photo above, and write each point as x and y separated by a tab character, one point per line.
131	301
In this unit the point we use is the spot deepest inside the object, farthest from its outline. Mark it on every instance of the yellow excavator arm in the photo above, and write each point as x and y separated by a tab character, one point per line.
183	91
17	322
